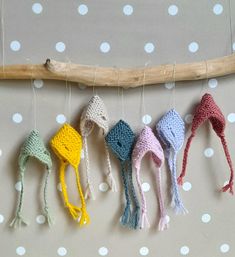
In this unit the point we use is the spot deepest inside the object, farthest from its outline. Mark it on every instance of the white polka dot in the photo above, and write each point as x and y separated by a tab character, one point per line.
226	182
213	83
60	47
168	219
144	251
128	9
193	47
208	152
224	248
103	251
1	218
15	45
184	250
105	47
149	47
187	186
38	83
82	9
218	9
61	251
169	85
40	219
37	8
231	117
233	46
173	10
146	119
145	187
188	118
103	187
20	251
60	118
17	118
18	186
206	218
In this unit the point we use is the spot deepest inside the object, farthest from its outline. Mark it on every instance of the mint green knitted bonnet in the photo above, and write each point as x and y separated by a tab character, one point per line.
34	147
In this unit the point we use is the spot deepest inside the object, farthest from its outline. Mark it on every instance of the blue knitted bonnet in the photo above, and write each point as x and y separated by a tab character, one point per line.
121	139
171	131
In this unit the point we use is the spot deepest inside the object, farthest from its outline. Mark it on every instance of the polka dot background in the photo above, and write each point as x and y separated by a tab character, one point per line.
116	34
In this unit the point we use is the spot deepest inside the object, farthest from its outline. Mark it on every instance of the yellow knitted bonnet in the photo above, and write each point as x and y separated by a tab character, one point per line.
67	145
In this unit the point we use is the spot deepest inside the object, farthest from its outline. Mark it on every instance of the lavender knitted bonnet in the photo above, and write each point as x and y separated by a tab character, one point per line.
148	143
120	139
171	131
95	113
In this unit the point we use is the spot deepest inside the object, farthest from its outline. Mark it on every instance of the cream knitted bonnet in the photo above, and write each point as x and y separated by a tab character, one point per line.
95	113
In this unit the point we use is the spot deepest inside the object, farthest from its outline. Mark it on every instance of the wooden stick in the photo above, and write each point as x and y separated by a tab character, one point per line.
124	77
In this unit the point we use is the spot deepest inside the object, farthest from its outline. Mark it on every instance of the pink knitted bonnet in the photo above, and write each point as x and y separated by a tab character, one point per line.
148	143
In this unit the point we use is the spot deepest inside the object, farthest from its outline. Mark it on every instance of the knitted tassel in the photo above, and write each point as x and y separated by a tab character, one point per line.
134	221
163	223
125	219
176	200
84	219
90	193
109	177
49	218
135	218
73	210
144	220
229	186
178	207
185	160
111	182
18	221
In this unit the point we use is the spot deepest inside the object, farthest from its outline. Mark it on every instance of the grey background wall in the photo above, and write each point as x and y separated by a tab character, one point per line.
121	34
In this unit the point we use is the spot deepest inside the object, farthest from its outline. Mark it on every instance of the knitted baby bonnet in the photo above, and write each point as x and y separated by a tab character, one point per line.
95	113
34	147
120	139
67	145
171	131
148	143
208	110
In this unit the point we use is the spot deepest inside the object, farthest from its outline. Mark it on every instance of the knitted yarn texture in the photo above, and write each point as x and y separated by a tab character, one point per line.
67	145
148	143
171	131
33	147
120	139
207	109
95	113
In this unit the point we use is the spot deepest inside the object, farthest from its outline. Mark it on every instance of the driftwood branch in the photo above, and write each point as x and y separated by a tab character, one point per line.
123	77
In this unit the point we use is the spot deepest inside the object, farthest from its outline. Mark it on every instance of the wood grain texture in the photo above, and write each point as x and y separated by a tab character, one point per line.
123	77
